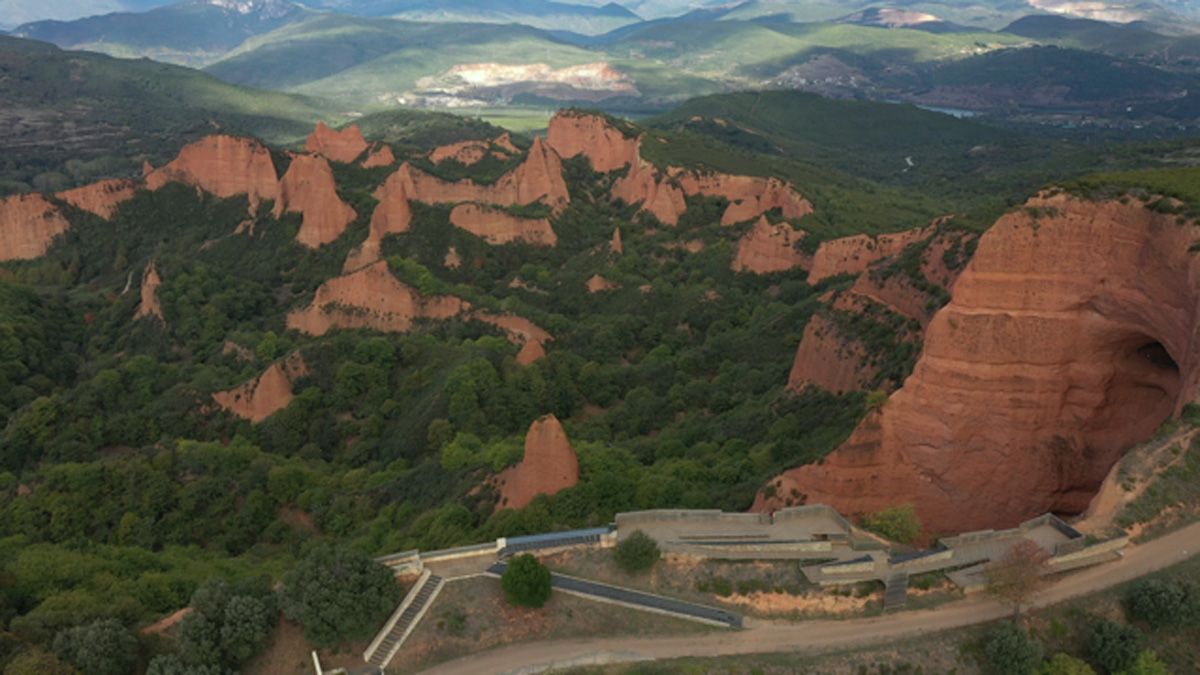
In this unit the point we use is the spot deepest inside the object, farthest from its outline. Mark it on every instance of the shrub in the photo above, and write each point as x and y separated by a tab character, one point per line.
1113	647
1010	651
1147	663
103	647
1065	664
898	523
1162	603
637	552
526	582
338	594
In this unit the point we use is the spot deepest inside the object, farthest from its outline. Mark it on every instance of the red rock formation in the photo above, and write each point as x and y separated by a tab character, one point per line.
393	215
266	394
308	188
574	133
896	292
343	146
768	248
519	331
453	260
538	179
548	467
531	352
1068	339
499	227
598	284
371	297
101	198
504	144
28	226
852	255
645	185
616	245
224	166
829	360
150	305
380	156
467	153
749	196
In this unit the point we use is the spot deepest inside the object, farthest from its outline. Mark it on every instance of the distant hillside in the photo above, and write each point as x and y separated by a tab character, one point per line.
1126	40
191	32
71	116
545	14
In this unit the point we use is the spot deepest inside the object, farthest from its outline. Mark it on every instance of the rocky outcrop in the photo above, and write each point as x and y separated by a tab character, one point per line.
499	227
380	157
749	196
393	215
829	360
616	245
598	284
548	467
100	198
150	305
644	184
472	152
608	148
768	248
28	226
1068	339
308	188
538	179
374	298
453	260
266	394
520	331
224	166
852	255
343	146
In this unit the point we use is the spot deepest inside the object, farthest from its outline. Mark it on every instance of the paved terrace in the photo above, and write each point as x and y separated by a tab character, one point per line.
803	532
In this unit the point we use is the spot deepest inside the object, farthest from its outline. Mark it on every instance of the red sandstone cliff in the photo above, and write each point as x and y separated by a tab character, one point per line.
499	227
852	255
28	226
379	157
607	148
749	196
393	215
548	467
538	179
308	188
149	305
829	360
266	394
768	248
371	297
224	166
343	146
1068	339
100	198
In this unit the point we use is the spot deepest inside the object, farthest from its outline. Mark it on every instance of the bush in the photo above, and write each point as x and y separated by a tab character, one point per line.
1010	651
1113	647
103	647
1147	664
637	552
339	594
898	523
1065	664
526	582
1162	603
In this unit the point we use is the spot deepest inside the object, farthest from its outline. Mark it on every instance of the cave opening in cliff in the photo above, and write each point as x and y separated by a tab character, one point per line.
1158	356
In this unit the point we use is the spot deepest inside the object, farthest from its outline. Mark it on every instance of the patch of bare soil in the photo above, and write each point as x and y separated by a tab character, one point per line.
289	653
471	615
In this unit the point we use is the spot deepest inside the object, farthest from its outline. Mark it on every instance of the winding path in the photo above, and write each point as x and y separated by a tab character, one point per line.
808	636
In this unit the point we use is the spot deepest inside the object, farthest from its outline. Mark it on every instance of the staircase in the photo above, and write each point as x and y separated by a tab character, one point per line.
403	620
895	593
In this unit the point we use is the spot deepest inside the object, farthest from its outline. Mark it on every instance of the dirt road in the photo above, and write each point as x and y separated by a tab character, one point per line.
772	636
